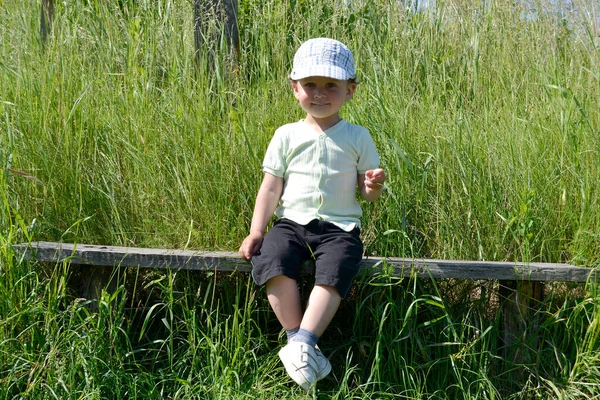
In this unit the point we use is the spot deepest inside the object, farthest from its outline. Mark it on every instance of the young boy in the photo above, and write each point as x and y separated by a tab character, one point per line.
312	170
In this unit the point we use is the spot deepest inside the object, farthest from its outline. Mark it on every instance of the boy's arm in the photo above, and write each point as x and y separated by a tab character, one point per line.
370	184
266	202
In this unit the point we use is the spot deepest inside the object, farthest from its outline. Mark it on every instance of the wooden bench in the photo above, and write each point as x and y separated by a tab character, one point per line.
521	284
113	256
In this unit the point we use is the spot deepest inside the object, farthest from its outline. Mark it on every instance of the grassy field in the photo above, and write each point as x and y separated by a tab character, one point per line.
488	124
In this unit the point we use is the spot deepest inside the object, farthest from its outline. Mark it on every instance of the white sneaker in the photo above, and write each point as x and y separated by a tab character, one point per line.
300	362
323	363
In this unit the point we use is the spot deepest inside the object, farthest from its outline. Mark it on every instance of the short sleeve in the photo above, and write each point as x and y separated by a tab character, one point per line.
274	161
368	158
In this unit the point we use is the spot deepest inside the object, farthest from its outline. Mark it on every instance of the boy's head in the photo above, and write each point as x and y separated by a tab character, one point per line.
323	57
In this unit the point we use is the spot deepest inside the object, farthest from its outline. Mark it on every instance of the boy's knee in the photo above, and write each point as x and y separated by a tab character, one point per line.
331	289
280	281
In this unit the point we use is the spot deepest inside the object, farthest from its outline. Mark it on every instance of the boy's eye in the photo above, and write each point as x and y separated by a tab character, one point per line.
327	85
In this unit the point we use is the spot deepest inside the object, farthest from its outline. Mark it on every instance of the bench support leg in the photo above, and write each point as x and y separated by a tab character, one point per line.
520	302
93	280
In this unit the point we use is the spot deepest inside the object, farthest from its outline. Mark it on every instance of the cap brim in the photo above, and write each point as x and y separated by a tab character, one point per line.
327	71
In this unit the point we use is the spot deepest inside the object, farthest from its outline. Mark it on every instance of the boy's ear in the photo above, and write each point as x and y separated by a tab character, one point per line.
294	85
350	89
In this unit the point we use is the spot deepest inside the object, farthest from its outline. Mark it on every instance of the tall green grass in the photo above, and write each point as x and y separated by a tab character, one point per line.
487	125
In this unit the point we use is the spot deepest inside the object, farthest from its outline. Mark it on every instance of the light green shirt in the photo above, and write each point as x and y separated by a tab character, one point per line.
320	171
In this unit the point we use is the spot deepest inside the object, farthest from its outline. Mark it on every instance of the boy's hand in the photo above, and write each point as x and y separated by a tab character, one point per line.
251	245
375	178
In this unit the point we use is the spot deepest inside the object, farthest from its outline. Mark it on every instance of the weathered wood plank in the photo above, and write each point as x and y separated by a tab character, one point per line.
229	261
133	256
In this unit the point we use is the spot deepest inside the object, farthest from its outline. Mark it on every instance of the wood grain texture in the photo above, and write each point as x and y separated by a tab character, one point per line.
86	254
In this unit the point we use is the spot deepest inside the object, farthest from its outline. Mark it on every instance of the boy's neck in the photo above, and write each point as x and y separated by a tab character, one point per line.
321	124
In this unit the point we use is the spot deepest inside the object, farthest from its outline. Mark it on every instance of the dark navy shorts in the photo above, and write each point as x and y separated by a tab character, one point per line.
288	245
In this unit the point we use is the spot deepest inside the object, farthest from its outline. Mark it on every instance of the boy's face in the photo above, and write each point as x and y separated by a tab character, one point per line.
321	97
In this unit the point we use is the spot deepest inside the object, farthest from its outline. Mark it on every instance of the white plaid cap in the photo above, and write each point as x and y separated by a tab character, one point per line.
323	57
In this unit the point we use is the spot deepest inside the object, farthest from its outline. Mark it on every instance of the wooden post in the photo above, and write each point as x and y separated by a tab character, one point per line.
215	21
91	282
520	302
46	17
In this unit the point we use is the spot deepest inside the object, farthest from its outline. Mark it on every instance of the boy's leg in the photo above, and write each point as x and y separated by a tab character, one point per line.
304	363
284	297
300	360
337	254
322	305
276	266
